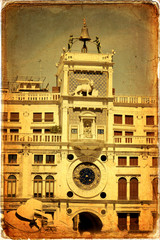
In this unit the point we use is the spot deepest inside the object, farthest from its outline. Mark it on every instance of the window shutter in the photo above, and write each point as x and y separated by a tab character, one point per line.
155	218
122	189
128	133
5	116
154	161
38	158
14	117
129	119
50	158
133	189
150	134
133	161
149	120
12	158
37	117
122	221
117	133
155	188
122	161
134	221
48	117
118	119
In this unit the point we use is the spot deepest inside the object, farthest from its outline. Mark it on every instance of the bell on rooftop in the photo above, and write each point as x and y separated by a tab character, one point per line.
84	36
84	32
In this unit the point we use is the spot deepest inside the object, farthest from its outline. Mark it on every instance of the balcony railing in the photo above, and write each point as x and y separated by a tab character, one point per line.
19	137
27	96
56	138
135	100
135	140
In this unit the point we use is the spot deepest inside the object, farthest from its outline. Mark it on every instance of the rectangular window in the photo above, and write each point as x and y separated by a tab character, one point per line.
129	119
117	133
154	161
14	117
47	131
134	221
149	120
100	131
128	133
4	130
50	158
5	116
150	134
122	161
49	117
122	221
38	158
74	130
133	161
14	130
37	130
155	219
12	158
128	138
117	119
37	117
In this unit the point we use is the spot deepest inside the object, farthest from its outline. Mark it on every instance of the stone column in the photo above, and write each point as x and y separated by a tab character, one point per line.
93	129
26	165
128	189
81	128
110	81
64	124
110	123
128	221
65	81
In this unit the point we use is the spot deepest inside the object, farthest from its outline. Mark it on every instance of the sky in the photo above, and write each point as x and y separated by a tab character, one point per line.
35	36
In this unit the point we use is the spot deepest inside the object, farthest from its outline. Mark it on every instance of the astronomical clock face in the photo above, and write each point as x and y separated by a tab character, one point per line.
86	176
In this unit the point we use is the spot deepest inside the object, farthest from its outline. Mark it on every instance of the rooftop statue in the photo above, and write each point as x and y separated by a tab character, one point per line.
70	42
97	41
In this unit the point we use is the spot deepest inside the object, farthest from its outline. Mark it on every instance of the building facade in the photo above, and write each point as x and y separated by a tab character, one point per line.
90	156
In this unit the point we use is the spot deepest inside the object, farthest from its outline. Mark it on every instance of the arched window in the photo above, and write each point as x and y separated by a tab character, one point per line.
49	186
37	186
11	186
122	189
133	188
155	188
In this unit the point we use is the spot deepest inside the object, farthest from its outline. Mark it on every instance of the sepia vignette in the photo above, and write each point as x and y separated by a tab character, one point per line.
79	160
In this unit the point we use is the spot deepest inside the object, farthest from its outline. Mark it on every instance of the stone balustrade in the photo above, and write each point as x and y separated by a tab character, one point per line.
50	138
135	140
28	96
30	137
135	100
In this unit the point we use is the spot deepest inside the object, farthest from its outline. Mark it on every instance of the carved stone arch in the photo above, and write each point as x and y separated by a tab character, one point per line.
89	216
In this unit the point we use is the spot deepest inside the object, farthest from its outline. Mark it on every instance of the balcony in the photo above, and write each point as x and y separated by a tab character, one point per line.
30	137
135	140
27	96
135	100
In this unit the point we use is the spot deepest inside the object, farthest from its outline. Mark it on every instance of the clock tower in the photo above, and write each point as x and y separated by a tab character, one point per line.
85	80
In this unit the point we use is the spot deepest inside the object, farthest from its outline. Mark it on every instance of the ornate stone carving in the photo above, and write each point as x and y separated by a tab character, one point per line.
85	88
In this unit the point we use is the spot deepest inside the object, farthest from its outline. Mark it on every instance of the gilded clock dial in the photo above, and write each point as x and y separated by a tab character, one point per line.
86	176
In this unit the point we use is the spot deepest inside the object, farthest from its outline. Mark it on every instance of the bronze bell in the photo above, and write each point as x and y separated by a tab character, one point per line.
84	33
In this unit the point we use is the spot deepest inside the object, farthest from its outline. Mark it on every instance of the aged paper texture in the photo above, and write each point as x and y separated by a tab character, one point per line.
79	120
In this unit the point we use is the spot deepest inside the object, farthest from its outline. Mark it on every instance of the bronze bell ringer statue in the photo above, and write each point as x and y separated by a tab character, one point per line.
84	37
